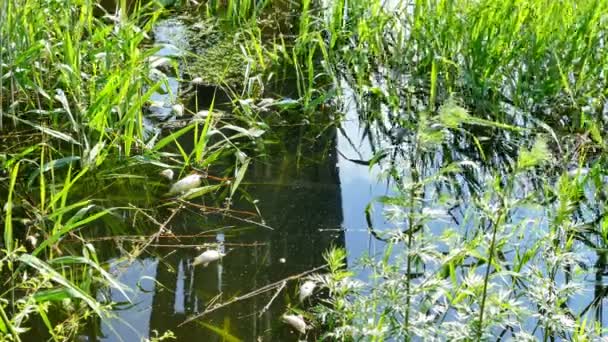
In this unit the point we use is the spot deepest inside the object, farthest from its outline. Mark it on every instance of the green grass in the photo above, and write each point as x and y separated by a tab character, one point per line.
487	97
495	103
74	82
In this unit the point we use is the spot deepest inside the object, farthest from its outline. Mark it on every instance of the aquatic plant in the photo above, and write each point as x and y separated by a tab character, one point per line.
476	110
488	102
75	80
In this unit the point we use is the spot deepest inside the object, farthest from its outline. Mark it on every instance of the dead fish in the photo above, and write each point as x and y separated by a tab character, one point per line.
306	289
160	62
189	182
207	257
178	109
101	55
32	240
197	81
296	321
167	173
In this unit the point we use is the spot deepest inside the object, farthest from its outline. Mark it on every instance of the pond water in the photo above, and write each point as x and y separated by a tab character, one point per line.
309	208
306	207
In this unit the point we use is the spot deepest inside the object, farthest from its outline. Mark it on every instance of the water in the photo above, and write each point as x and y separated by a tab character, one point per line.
307	205
310	209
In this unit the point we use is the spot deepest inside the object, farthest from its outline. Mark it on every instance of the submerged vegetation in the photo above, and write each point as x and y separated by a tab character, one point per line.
485	119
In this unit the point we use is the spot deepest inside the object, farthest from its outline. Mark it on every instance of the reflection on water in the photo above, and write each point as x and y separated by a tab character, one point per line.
304	207
309	208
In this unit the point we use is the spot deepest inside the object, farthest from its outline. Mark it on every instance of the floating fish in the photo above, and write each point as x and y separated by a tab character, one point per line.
159	62
296	321
167	173
208	257
32	240
178	109
185	184
306	289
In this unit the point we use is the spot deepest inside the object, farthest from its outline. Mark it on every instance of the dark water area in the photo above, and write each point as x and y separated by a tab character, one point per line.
304	210
309	207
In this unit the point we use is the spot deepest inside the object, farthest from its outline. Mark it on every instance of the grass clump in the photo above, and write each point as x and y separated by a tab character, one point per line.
76	151
477	112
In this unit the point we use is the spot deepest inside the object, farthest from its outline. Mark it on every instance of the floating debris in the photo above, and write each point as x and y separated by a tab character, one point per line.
101	55
197	81
202	114
167	173
266	102
306	289
296	321
155	107
207	257
185	184
282	260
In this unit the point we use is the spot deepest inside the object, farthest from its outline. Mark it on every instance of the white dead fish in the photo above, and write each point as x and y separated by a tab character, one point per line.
32	240
197	81
167	173
185	184
178	109
100	56
159	62
264	104
296	321
155	106
207	257
306	289
203	114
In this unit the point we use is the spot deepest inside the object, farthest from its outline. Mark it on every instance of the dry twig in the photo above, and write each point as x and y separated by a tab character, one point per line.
251	294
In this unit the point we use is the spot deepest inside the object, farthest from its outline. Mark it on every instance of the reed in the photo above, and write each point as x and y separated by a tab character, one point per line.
74	82
489	97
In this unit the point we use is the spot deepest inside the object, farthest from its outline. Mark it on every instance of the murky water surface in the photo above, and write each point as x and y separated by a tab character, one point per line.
306	208
309	208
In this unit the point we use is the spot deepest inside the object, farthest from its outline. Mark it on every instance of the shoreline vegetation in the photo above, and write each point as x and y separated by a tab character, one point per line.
486	120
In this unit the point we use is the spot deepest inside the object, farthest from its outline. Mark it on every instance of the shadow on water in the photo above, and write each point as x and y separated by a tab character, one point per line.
303	207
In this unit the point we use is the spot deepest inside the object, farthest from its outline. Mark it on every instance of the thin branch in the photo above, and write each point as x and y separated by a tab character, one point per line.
265	308
224	212
160	231
251	294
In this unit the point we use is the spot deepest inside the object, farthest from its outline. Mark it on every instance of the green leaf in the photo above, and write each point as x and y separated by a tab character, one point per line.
239	177
76	292
70	260
171	137
200	191
8	209
223	333
66	229
52	295
537	155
